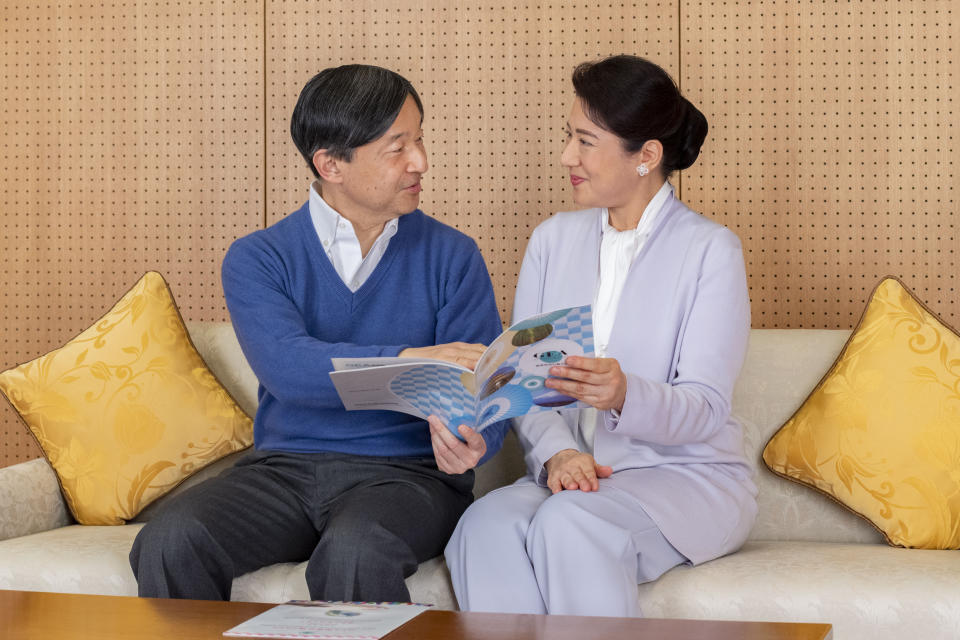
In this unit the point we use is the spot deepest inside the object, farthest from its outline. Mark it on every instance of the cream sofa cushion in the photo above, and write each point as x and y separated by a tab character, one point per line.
282	582
94	559
852	586
217	343
770	388
29	492
880	433
127	409
73	559
866	591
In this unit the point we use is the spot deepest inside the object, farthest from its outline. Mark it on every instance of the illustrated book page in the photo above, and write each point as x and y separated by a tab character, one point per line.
508	380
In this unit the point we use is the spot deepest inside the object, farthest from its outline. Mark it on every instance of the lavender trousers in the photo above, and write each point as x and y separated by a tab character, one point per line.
520	549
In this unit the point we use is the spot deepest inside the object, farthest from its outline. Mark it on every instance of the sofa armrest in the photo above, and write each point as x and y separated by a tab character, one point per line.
30	500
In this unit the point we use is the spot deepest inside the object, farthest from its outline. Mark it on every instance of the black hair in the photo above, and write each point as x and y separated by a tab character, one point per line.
342	108
639	101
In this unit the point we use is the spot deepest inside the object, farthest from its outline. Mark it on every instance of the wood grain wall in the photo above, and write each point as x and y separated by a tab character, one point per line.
143	136
131	138
834	149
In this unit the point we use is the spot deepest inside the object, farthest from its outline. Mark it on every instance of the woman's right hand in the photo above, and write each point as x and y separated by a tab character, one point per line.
571	469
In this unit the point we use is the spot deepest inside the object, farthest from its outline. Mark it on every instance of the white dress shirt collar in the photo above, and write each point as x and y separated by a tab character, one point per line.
339	240
327	221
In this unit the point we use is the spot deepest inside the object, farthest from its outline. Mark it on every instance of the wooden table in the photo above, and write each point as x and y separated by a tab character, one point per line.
27	615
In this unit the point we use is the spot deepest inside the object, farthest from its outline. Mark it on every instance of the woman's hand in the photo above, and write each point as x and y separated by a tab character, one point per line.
462	353
597	381
453	456
570	469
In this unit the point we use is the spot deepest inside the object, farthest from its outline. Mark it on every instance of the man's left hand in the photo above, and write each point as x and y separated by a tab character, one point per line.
454	456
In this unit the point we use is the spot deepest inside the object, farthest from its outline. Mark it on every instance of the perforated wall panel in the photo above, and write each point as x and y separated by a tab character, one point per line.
143	136
833	152
131	138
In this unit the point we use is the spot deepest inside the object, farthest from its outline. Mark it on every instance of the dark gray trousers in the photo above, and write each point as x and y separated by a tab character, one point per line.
363	522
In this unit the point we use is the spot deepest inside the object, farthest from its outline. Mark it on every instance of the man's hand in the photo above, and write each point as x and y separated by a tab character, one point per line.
453	456
597	381
461	353
570	469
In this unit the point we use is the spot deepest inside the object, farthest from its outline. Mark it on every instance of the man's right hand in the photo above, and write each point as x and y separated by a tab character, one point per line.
453	456
461	353
570	469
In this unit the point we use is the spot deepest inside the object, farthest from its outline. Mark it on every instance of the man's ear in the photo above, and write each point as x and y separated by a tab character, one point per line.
650	154
327	166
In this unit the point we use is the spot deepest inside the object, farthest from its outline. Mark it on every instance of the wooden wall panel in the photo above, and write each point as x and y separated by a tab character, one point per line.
495	80
131	138
141	136
833	150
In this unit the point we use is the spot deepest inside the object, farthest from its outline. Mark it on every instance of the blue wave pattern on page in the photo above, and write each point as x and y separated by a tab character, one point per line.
508	401
435	389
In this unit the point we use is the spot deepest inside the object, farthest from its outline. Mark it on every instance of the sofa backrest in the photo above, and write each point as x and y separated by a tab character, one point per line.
218	345
781	368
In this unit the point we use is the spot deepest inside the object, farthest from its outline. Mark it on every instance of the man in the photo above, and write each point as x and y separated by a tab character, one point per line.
356	271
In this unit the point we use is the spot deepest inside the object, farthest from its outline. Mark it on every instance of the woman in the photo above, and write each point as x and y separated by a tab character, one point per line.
654	474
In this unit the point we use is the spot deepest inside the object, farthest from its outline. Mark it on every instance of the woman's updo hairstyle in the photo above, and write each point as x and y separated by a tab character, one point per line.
638	101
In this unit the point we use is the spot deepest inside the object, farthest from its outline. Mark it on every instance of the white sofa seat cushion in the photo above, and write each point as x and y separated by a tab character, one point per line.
282	582
72	559
92	559
866	591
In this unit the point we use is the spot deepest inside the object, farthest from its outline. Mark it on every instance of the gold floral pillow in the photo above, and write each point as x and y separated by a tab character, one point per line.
881	431
126	410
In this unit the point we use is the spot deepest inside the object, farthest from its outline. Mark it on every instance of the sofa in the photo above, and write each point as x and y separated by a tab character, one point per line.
807	558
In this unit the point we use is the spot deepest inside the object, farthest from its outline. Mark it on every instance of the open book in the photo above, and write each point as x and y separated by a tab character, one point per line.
508	380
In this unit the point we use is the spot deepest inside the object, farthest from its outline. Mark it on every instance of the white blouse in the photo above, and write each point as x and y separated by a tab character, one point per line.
618	250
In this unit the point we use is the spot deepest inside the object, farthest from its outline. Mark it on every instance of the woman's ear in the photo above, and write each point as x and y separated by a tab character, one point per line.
650	155
327	166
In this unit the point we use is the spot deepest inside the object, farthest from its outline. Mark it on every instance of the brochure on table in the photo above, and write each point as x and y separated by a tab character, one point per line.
508	380
321	620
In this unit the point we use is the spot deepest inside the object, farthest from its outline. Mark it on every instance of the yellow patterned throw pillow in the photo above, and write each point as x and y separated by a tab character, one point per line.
126	410
881	431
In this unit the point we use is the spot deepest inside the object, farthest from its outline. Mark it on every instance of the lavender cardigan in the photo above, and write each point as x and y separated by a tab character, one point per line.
680	335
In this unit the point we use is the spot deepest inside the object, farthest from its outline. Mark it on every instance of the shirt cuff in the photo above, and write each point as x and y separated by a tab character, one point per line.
611	419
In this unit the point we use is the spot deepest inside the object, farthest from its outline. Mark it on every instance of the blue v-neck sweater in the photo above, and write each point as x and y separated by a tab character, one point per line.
292	313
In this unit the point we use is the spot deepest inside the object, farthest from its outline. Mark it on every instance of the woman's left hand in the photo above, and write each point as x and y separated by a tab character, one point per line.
453	455
597	381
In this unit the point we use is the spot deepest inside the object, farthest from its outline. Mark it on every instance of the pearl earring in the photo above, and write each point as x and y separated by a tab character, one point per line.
642	169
